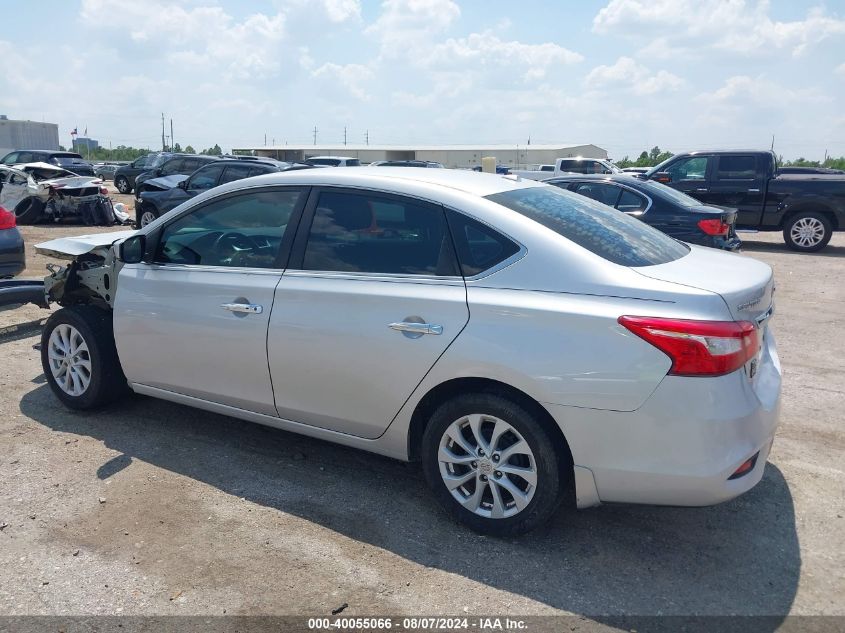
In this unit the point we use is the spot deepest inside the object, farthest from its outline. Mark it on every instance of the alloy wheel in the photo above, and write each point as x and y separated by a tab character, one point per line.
69	359
147	217
807	232
487	466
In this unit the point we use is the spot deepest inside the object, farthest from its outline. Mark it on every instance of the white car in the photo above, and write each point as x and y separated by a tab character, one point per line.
516	338
332	161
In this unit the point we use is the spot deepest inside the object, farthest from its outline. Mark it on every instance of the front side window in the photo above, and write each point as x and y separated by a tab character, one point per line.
693	168
242	231
369	233
616	237
205	178
11	159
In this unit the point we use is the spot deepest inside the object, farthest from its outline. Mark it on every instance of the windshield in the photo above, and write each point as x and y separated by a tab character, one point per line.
600	229
682	199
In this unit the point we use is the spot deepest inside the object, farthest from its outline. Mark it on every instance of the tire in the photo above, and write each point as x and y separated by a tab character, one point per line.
75	327
807	232
122	184
543	498
29	211
144	215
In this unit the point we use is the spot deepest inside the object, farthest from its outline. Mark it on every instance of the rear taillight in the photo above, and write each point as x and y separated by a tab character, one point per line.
7	219
714	227
104	191
698	348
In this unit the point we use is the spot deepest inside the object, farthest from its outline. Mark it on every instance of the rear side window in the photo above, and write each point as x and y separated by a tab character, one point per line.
737	168
630	202
234	172
370	233
479	246
616	237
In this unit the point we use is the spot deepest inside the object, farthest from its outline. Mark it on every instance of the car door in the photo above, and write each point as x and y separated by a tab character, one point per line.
372	297
193	318
739	183
690	175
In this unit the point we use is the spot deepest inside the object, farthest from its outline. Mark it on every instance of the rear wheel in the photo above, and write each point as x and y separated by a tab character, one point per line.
122	184
79	358
807	232
492	465
29	211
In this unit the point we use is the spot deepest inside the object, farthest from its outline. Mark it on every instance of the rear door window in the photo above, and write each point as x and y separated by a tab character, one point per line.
617	237
600	192
233	172
372	233
479	247
736	168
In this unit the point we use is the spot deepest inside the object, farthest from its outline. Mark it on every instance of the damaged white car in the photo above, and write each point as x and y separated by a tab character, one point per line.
39	191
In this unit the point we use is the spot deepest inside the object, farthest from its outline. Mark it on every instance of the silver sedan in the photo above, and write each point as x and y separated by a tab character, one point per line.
519	340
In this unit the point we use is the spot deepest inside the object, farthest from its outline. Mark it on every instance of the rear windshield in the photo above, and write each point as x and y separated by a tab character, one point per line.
600	229
679	198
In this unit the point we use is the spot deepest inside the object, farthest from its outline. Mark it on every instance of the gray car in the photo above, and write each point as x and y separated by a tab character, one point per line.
519	340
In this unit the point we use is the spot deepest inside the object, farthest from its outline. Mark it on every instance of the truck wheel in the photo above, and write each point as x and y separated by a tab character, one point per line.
79	358
492	465
807	232
122	184
29	211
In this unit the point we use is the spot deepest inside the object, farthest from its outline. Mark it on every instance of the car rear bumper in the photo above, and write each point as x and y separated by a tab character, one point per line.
12	253
682	446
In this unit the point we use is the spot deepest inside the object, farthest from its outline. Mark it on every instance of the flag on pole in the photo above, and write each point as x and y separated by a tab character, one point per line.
73	132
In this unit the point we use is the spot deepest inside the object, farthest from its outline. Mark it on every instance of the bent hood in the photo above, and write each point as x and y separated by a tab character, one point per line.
70	247
165	182
746	284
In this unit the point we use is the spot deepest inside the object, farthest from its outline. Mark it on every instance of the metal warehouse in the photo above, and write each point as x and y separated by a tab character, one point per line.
515	156
27	135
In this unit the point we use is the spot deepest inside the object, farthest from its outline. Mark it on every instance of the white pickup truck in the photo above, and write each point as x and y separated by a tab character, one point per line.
568	166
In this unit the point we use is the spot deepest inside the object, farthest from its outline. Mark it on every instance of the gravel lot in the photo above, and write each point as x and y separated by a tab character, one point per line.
154	508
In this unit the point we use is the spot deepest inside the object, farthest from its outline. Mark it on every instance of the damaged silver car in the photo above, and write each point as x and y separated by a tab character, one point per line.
39	191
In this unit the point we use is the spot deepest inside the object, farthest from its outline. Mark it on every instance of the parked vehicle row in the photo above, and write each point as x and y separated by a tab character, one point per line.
568	166
517	338
807	208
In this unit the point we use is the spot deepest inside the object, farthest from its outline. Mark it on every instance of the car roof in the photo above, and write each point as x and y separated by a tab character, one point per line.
466	181
333	157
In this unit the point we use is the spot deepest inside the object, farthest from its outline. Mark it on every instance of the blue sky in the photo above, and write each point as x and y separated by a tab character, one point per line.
623	74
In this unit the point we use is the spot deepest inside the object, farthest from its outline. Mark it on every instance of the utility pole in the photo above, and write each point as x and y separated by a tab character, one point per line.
163	146
172	140
344	135
367	137
315	135
773	142
265	139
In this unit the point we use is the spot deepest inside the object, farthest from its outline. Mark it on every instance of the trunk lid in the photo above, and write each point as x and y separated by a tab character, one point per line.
745	284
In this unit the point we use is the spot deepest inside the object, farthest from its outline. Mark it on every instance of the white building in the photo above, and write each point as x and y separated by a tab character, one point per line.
27	135
516	156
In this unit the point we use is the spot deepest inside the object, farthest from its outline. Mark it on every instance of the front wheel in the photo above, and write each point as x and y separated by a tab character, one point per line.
145	216
807	232
29	211
122	184
79	358
492	465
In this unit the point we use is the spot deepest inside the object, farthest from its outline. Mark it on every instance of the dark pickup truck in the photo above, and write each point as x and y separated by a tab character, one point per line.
806	207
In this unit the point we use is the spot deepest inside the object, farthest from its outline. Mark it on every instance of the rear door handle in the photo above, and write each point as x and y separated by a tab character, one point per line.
753	191
701	190
416	328
247	308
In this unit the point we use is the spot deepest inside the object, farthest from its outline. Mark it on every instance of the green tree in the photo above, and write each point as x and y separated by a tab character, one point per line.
213	151
190	150
177	147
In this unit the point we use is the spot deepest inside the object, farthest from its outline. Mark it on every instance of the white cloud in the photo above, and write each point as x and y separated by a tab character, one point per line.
634	76
352	77
840	70
737	26
403	24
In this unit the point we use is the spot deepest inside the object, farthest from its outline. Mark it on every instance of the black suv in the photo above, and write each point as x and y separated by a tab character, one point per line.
66	160
124	177
184	164
154	203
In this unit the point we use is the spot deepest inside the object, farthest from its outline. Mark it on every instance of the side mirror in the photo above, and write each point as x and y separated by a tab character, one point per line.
183	184
132	249
662	176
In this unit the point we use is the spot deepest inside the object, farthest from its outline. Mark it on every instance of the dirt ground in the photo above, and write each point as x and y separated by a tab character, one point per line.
154	508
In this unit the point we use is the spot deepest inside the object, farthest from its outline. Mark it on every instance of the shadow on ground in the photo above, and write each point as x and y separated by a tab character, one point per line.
741	557
751	246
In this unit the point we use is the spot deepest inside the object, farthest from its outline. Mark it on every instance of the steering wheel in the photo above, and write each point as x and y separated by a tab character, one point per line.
235	248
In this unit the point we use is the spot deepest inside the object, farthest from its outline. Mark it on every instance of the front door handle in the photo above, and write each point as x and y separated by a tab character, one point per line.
246	308
753	191
701	190
416	328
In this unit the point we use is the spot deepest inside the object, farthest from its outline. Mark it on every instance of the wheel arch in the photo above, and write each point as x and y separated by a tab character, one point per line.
812	206
451	388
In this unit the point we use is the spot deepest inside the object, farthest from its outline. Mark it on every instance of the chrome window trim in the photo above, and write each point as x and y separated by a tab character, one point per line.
205	268
455	280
